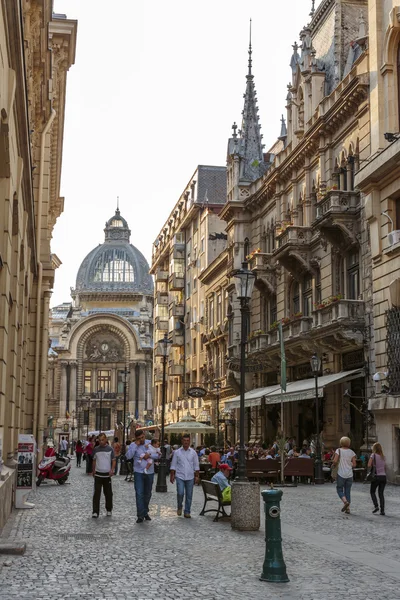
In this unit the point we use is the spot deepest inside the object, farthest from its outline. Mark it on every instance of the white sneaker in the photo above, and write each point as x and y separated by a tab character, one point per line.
95	516
109	513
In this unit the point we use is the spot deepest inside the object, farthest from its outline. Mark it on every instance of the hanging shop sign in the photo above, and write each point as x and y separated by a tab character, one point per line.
196	392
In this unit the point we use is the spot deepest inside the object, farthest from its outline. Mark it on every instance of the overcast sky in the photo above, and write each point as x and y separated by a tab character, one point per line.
153	93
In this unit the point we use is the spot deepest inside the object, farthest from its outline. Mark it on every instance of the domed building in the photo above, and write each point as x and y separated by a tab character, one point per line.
104	333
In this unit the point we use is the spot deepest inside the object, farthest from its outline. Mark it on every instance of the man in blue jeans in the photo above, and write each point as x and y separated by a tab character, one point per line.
140	453
185	470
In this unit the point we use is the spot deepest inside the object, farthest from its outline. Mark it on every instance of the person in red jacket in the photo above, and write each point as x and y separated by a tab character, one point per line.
78	452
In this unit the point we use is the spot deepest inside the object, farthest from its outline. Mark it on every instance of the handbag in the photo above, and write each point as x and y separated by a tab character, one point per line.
371	475
335	469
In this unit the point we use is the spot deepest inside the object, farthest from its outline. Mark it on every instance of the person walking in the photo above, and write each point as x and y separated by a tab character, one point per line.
89	455
103	470
139	452
117	451
63	446
347	461
377	460
78	452
185	470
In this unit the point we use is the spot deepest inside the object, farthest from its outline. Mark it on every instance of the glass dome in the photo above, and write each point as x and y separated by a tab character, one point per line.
115	265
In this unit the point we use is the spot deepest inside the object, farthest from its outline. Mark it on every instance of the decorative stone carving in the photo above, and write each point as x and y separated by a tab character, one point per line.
104	348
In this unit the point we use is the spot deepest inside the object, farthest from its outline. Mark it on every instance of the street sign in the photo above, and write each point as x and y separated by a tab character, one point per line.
196	392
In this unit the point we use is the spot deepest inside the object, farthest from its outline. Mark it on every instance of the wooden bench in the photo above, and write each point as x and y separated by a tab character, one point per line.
257	468
299	467
212	493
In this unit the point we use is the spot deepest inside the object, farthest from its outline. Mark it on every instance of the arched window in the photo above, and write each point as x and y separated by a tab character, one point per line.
307	296
113	266
353	275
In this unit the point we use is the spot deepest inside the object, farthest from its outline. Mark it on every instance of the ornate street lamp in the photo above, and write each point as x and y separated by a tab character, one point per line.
164	347
315	368
244	282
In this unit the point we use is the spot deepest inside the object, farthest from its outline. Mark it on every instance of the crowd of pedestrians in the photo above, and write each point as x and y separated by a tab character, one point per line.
183	466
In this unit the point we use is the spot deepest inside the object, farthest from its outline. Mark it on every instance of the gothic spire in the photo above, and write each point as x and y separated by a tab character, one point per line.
250	142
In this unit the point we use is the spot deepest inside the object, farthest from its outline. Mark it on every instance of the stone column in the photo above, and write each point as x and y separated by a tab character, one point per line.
72	392
63	390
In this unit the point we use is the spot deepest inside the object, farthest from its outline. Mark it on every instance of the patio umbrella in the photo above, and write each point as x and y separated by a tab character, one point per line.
188	424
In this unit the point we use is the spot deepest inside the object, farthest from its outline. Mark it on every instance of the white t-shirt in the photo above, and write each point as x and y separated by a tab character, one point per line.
345	465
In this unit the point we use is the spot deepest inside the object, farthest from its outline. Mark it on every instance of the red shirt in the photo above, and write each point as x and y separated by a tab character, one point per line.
214	458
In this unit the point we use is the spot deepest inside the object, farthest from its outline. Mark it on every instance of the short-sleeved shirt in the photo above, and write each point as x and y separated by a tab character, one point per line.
103	455
380	464
345	462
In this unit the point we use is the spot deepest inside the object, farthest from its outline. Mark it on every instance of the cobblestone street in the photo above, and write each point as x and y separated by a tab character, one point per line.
72	556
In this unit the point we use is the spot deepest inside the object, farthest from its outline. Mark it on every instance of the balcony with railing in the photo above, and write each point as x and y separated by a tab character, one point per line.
264	267
292	327
337	310
176	281
161	274
293	247
177	337
257	341
336	214
176	368
176	309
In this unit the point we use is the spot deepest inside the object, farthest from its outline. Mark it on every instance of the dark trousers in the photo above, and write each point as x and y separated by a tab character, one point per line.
143	488
78	459
89	463
105	484
380	483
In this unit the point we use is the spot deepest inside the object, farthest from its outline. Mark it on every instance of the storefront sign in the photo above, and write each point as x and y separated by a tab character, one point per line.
26	470
196	392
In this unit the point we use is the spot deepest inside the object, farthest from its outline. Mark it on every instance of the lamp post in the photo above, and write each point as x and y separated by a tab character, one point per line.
217	391
101	395
164	347
125	378
315	368
244	288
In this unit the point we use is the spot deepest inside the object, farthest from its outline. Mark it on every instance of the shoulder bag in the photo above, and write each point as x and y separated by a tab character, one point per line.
371	475
335	468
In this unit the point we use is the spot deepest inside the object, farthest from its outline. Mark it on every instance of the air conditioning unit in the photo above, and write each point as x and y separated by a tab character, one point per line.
394	237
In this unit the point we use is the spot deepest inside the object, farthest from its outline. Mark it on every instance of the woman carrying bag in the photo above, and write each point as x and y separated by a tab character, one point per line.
377	464
344	461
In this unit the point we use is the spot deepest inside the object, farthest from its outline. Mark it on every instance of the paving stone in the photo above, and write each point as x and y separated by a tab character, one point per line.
171	557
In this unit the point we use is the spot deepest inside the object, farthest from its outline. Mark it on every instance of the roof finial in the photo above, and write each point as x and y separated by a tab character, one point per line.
312	9
250	51
117	211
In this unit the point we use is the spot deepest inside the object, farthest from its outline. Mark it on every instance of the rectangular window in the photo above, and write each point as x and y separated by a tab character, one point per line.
104	381
202	245
219	308
307	305
86	417
188	289
353	276
88	382
211	319
194	283
273	313
120	382
105	424
194	346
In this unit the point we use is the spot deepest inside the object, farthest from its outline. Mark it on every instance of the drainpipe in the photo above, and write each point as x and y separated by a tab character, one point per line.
40	276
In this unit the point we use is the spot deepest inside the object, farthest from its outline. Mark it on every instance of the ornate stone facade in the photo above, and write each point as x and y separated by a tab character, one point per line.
379	181
190	239
301	228
32	101
106	331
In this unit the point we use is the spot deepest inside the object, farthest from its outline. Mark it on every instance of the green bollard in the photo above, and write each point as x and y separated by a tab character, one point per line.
274	568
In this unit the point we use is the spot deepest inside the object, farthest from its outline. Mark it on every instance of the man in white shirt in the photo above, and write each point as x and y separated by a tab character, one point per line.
185	469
